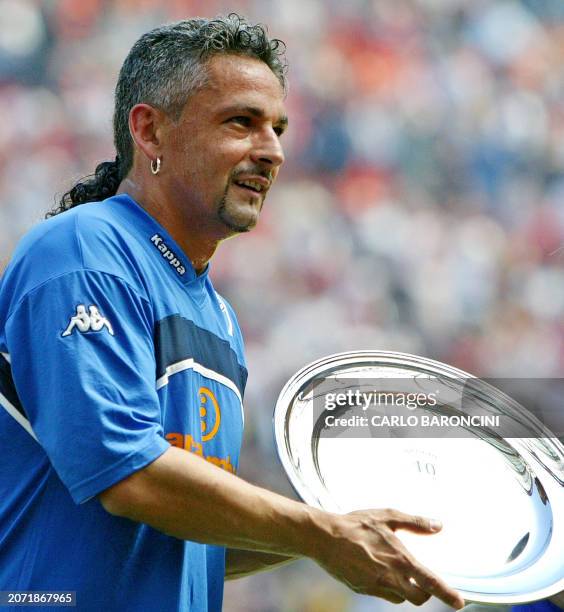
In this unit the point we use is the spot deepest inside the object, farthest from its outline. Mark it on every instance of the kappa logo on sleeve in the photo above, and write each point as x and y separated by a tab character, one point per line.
87	321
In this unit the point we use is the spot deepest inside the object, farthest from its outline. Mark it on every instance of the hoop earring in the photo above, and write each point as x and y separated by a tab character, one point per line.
155	168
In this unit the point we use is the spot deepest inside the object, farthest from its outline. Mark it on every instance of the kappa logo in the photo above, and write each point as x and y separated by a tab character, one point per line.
168	254
88	321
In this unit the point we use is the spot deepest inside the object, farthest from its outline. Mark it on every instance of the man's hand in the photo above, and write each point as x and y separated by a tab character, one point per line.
367	556
558	600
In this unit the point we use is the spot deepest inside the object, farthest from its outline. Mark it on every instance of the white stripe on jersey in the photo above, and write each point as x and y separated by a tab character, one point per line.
190	364
225	312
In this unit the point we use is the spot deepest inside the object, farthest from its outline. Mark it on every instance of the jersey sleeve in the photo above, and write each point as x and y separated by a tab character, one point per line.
82	359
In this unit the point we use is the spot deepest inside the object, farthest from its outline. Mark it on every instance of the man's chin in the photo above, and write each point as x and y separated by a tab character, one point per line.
238	229
240	221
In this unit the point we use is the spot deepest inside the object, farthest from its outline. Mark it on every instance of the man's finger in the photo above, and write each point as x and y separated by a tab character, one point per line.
413	593
428	582
391	597
418	524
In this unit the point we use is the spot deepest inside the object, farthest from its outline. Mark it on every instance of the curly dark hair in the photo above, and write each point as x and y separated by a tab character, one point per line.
164	67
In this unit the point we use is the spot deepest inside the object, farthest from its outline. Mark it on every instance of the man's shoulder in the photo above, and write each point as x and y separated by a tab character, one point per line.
89	237
61	236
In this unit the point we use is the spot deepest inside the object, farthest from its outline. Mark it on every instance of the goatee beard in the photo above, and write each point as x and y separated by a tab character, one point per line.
226	219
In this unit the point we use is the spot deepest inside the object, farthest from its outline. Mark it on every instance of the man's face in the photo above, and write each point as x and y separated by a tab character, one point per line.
224	153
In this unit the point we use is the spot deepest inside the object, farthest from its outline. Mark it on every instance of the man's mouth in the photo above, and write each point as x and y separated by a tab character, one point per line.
251	185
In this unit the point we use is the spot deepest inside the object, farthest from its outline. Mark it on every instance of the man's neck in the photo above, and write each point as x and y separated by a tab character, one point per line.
190	236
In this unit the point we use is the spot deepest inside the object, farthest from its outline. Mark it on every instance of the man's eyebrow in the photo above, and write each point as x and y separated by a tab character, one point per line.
256	112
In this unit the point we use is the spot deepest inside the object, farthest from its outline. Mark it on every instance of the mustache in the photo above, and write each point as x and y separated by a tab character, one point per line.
256	170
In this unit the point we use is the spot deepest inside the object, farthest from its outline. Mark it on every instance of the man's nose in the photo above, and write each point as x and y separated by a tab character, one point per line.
267	150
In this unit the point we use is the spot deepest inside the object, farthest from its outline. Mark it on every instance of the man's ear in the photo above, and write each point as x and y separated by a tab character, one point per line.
145	126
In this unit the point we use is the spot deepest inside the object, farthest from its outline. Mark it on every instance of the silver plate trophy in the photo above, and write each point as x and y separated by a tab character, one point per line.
373	429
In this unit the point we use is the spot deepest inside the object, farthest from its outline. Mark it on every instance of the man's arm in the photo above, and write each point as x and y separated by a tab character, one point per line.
240	563
184	496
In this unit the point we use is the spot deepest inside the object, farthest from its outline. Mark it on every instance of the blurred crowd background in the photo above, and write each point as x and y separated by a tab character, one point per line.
421	208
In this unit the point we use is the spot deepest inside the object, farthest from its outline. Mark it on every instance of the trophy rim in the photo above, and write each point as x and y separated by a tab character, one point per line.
331	363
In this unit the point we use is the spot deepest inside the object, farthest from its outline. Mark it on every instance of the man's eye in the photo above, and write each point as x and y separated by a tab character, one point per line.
278	131
241	120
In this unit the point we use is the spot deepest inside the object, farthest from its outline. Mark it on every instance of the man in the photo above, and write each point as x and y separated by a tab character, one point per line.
119	357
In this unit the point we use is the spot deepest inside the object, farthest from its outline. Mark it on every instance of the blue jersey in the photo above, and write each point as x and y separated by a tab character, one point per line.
113	349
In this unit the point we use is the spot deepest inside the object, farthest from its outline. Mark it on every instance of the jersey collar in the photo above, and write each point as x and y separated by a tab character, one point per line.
160	242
